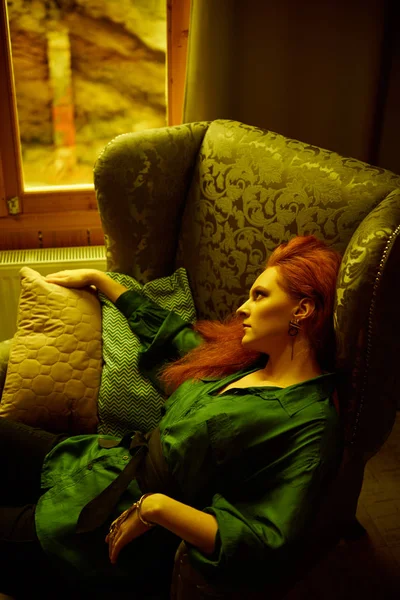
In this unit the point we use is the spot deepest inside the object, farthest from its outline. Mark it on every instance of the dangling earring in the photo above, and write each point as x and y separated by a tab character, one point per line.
293	331
294	327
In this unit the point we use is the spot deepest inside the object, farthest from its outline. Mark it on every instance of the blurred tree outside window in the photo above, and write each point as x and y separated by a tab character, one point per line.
85	71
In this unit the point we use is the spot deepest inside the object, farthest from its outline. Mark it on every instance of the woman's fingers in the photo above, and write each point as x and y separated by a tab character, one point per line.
123	533
71	278
116	542
63	277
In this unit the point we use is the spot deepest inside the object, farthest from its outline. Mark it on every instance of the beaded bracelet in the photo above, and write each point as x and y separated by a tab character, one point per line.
139	509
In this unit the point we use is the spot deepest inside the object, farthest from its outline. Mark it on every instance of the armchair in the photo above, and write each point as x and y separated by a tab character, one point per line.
216	198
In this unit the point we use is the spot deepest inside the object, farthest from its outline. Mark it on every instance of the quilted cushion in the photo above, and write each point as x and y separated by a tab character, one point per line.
54	369
127	399
4	356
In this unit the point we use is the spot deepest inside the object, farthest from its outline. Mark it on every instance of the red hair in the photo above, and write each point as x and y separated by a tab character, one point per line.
308	269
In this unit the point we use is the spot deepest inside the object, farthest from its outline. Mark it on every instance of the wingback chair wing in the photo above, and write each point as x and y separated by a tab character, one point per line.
217	198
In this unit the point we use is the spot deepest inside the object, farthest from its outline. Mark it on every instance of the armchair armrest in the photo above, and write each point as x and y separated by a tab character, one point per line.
141	182
187	583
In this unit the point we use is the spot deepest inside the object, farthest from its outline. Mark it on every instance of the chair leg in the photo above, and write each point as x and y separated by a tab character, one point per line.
353	531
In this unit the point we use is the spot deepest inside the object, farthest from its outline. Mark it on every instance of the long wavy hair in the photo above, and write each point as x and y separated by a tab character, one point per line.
307	268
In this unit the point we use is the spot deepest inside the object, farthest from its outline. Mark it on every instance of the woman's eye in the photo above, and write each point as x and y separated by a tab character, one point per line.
258	295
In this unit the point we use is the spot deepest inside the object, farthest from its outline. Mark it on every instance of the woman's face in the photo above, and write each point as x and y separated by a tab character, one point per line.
266	314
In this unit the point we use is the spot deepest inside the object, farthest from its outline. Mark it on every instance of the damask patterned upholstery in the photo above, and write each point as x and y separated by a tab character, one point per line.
141	181
217	198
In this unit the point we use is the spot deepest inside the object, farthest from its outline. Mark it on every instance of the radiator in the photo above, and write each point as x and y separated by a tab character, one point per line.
45	261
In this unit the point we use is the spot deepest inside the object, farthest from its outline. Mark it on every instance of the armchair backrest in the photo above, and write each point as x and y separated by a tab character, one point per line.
252	189
218	197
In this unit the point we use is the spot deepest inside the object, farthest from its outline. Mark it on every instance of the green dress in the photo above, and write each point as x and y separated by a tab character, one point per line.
257	458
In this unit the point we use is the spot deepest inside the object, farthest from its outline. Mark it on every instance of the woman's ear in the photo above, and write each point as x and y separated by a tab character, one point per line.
304	309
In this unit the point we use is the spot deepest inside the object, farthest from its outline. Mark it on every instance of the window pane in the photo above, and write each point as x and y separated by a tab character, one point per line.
85	71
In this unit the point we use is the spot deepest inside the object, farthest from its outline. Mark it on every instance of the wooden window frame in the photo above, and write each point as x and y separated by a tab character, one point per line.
66	215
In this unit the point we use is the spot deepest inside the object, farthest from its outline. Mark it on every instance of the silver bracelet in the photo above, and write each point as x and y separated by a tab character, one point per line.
139	509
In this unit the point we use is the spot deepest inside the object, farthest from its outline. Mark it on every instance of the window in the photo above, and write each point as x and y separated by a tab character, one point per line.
74	79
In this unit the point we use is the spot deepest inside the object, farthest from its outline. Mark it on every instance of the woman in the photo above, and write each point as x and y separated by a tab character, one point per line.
248	440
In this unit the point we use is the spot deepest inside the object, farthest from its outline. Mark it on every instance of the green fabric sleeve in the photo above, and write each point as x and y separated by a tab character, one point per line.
164	336
258	538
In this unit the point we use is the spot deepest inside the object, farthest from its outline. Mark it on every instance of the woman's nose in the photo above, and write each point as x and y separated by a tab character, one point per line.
243	310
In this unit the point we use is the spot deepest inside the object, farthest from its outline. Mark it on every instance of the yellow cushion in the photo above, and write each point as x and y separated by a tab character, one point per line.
54	370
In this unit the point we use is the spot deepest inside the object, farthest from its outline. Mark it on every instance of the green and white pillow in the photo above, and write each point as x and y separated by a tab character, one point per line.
127	399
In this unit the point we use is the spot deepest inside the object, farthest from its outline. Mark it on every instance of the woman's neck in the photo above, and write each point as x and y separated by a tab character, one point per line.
283	370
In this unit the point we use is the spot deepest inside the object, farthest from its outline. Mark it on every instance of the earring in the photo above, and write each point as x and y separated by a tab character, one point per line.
293	331
294	327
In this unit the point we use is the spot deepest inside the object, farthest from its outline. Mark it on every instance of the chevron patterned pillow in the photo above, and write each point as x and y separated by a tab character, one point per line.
127	399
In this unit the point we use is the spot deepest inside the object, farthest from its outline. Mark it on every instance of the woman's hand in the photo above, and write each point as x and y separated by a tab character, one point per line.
75	278
79	278
129	529
195	526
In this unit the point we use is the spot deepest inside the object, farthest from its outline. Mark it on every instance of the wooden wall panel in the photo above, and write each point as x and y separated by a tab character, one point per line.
3	202
51	230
